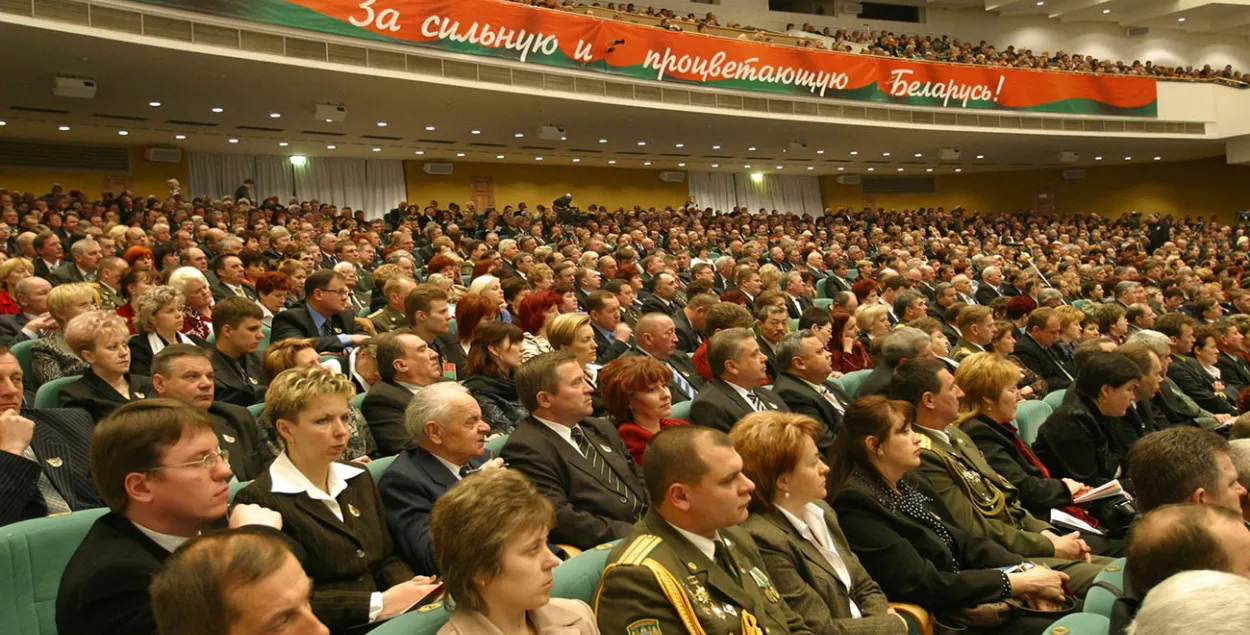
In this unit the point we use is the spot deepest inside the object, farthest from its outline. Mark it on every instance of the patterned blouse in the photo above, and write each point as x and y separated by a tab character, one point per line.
196	325
51	359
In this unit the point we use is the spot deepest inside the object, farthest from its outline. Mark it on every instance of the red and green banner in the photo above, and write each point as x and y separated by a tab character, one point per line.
571	40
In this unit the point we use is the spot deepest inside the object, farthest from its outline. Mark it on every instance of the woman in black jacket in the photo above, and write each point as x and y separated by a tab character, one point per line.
903	535
1078	440
990	386
493	358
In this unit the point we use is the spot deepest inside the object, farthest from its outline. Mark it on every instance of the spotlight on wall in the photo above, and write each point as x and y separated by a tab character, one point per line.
298	160
757	177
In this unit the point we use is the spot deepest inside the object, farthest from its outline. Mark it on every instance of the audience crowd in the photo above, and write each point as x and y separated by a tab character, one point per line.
791	424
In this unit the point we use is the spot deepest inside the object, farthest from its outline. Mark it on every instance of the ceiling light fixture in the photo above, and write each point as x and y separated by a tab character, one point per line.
1128	158
298	159
329	121
382	124
929	170
919	154
959	169
781	167
1041	3
63	128
419	152
331	147
854	153
872	169
747	166
980	156
716	165
900	169
681	165
751	149
180	137
820	152
757	177
519	135
459	154
431	128
1180	19
498	156
1106	11
680	145
611	161
275	115
475	132
1158	158
603	141
122	133
538	158
154	104
218	109
1098	158
811	167
841	169
577	160
646	163
564	138
885	154
716	147
642	143
377	149
233	140
283	144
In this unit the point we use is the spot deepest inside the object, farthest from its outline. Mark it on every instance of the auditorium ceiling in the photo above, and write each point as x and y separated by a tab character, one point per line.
157	97
1195	16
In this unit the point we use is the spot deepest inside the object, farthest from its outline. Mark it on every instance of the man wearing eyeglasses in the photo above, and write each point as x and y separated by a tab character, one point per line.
158	467
323	315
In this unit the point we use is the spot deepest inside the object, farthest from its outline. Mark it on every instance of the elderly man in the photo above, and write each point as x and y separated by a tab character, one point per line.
738	369
230	279
357	300
803	384
656	336
448	433
391	317
406	365
991	285
34	322
899	345
86	255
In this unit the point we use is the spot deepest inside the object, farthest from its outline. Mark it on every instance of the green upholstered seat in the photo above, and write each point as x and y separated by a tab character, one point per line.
377	466
256	409
33	555
25	358
1081	624
851	381
1055	399
1099	601
495	445
682	410
49	394
1030	415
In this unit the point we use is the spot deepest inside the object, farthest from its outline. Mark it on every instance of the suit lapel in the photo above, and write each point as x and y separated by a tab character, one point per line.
809	550
318	510
56	461
733	396
569	453
435	468
614	459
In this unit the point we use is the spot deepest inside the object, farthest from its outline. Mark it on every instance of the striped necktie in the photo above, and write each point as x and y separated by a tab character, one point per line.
52	499
588	450
756	403
682	384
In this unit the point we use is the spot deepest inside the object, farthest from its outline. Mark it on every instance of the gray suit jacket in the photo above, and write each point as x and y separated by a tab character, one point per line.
809	583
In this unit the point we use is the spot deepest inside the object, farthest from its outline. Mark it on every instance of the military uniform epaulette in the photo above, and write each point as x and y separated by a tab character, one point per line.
638	550
925	442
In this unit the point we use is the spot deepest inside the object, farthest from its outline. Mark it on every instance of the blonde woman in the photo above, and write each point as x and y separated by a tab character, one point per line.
52	357
873	321
572	332
329	507
99	339
158	318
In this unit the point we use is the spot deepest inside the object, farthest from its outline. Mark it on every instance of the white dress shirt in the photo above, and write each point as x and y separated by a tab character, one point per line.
563	431
165	541
751	401
814	529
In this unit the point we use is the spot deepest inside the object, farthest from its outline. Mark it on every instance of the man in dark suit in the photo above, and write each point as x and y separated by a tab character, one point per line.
429	317
612	335
406	364
898	346
323	315
738	369
185	372
1234	370
580	464
663	294
797	300
86	254
691	320
585	282
771	322
44	454
161	495
657	337
836	280
229	283
50	253
804	386
447	432
31	295
990	288
1034	349
236	366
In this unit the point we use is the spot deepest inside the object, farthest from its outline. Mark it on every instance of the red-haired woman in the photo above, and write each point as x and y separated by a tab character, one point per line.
140	258
470	312
272	287
848	351
535	315
866	291
635	391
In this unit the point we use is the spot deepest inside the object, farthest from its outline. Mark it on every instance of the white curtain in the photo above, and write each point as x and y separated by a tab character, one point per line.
374	185
782	192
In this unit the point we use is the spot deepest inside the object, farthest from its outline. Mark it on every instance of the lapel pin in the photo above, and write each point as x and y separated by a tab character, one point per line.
227	438
353	510
253	380
55	461
139	394
607	449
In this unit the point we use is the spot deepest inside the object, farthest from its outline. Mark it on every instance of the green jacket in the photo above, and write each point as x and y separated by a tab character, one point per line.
981	501
388	319
658	583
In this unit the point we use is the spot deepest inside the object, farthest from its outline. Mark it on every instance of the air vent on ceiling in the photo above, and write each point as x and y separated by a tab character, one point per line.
163	155
633	153
183	122
54	156
482	144
321	133
1073	174
51	111
584	150
717	156
673	154
101	115
380	137
905	185
437	168
258	128
537	148
440	141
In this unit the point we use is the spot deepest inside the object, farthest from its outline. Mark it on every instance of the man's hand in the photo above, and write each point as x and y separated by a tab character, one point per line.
493	464
623	332
1074	487
357	338
15	432
43	324
243	515
1069	547
365	324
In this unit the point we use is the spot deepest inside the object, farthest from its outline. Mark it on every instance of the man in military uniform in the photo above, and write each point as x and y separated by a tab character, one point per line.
980	500
108	282
686	567
391	317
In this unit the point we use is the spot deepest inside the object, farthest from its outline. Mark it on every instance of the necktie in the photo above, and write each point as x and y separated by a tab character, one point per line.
588	450
726	561
239	292
465	470
52	499
832	399
682	384
756	403
325	329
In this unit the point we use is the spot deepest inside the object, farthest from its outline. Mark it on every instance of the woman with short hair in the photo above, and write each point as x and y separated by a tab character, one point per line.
470	312
873	321
13	271
804	550
535	315
496	566
132	285
140	258
636	394
99	339
489	368
1003	344
272	288
197	318
52	357
331	508
158	318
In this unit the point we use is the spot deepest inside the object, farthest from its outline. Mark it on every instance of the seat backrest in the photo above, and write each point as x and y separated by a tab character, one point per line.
423	621
824	303
359	399
852	380
495	445
364	312
1055	399
1029	418
1081	624
822	288
792	324
25	358
377	466
256	409
682	410
578	577
33	555
1099	600
49	394
237	487
264	341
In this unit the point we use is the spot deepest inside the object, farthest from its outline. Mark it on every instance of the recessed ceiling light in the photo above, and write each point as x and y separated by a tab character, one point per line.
1128	158
885	154
283	144
429	127
538	158
382	124
716	147
872	169
329	121
603	141
233	140
63	128
419	152
218	109
1180	19
1098	158
980	156
811	167
900	169
459	154
564	138
747	166
929	170
577	160
1106	11
275	115
154	104
959	169
498	156
716	165
854	153
1041	3
680	145
377	149
1158	158
820	152
841	169
751	149
646	163
681	165
611	161
475	132
331	147
180	137
781	167
123	133
919	154
519	135
642	143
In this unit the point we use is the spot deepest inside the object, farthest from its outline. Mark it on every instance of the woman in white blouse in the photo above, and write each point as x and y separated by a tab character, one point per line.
804	550
158	320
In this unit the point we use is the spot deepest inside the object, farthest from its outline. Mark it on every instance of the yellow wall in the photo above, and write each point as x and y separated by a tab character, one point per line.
1204	187
540	184
145	177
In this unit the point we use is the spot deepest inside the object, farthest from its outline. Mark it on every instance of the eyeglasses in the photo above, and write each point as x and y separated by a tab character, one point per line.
208	462
342	291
